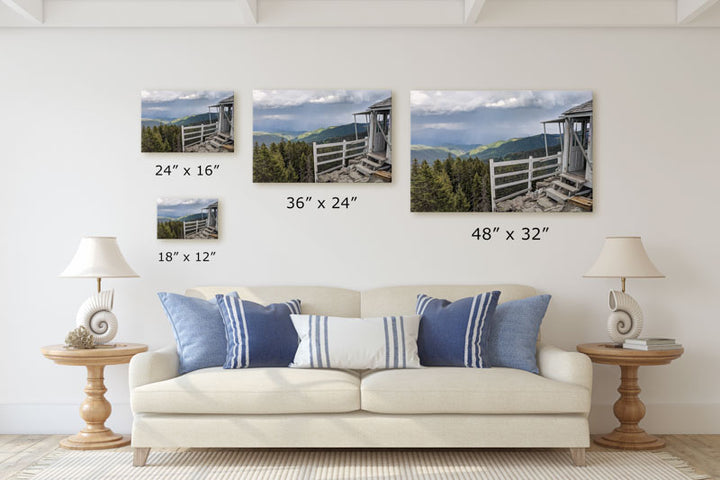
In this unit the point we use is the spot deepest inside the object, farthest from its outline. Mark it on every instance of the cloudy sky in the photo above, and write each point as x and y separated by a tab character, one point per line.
180	207
278	111
481	117
172	104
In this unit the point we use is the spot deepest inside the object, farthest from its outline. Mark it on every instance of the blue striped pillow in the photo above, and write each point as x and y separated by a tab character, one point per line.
454	334
257	335
356	343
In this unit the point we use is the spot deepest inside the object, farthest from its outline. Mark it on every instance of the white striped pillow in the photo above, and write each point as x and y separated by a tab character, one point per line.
356	343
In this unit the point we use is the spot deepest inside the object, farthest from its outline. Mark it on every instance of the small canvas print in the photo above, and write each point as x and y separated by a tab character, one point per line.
501	151
187	218
322	136
187	121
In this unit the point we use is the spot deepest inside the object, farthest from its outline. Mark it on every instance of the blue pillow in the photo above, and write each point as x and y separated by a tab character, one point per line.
199	331
455	334
258	336
514	332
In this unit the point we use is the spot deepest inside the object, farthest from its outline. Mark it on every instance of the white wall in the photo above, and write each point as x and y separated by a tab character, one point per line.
70	166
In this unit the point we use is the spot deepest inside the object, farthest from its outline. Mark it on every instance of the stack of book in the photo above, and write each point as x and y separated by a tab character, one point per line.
651	344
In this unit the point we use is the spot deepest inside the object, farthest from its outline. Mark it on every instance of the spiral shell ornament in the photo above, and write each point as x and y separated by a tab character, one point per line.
626	319
95	314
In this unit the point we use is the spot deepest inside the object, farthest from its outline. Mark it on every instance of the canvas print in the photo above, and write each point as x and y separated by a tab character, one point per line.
322	136
187	218
502	151
188	121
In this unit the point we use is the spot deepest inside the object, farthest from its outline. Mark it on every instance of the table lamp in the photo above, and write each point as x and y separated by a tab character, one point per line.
623	257
98	257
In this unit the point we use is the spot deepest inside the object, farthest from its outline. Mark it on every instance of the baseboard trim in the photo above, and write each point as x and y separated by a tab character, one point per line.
53	418
38	418
664	418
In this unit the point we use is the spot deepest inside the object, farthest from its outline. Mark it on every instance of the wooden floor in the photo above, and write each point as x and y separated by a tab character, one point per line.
20	451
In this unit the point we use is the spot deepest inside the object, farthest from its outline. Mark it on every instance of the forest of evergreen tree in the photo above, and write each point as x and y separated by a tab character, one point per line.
172	229
161	138
291	161
463	184
283	162
450	185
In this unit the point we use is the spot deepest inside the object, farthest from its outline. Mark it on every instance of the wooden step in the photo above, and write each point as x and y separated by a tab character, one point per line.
215	143
364	170
576	179
222	136
555	195
372	164
565	186
583	202
382	174
380	157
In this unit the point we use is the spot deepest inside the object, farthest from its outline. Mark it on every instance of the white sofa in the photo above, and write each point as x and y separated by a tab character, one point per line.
435	407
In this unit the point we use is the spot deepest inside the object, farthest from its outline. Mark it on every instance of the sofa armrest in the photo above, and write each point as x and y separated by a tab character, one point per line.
151	367
569	367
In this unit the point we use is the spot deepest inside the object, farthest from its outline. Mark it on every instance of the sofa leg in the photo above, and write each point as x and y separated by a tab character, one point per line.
140	456
578	456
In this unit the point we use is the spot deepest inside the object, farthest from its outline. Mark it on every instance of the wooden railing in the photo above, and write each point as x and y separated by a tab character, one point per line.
337	152
194	226
549	166
194	134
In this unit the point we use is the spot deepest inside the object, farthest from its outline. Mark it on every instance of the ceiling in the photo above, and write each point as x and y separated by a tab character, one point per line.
359	13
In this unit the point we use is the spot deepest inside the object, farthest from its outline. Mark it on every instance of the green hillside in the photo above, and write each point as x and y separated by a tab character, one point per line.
195	119
321	135
430	154
331	134
152	122
497	150
184	121
186	218
481	148
500	149
193	217
268	138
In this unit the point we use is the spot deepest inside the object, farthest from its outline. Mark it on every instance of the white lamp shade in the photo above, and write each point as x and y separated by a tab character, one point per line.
623	257
98	257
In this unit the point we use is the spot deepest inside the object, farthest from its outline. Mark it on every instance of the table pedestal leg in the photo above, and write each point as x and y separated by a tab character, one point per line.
95	409
629	410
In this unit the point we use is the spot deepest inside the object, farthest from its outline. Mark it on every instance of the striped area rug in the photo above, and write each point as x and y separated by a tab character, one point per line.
357	464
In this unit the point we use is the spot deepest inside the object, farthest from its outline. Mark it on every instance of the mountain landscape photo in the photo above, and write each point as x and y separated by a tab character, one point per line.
455	134
187	218
186	121
301	136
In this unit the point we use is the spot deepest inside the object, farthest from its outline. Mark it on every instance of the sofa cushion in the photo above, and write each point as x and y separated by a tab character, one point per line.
469	390
251	391
357	343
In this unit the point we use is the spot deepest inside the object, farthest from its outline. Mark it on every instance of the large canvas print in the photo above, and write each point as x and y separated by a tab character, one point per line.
187	121
187	218
502	151
322	136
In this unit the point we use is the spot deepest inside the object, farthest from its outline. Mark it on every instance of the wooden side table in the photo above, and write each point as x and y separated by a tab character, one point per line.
95	409
629	410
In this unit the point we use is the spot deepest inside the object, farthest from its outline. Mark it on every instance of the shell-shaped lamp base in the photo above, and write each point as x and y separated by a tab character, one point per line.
626	319
96	315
